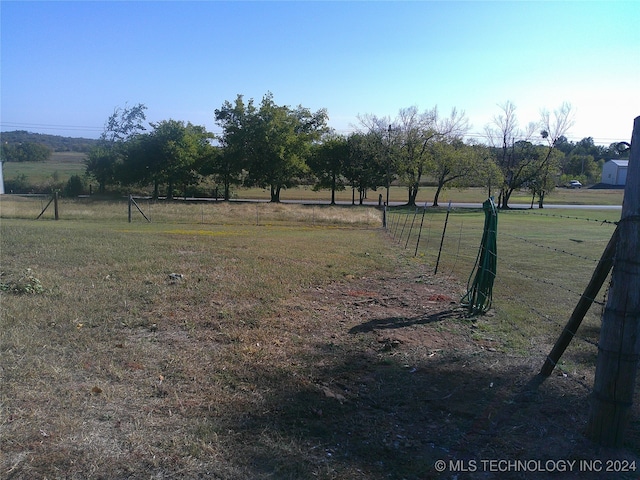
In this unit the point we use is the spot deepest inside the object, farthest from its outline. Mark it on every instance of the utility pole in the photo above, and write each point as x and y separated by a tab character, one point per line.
619	345
388	163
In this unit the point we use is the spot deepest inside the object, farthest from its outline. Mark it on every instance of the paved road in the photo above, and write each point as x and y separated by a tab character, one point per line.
371	203
459	205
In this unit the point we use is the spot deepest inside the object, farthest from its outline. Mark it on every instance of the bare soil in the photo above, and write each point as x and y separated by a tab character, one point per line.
411	382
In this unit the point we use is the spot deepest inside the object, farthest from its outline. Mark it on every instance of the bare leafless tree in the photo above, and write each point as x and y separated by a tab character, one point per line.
553	128
516	155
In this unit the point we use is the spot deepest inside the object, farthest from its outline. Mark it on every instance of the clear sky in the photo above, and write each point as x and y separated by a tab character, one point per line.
65	66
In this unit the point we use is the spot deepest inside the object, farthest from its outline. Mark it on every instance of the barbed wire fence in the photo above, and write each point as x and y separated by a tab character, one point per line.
142	210
541	274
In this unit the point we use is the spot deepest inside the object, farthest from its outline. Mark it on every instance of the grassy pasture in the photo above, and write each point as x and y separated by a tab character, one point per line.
545	260
58	169
294	342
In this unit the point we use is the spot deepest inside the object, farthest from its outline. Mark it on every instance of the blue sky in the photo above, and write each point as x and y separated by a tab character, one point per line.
65	66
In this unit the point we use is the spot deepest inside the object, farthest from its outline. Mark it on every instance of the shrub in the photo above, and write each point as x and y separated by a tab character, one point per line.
75	186
27	283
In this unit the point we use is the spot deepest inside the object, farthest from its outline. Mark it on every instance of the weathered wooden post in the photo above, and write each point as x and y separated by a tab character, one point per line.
619	346
129	204
55	205
598	278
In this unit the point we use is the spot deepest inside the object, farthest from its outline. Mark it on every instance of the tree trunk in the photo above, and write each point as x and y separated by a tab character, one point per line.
333	189
619	349
437	194
505	198
413	193
275	193
170	191
541	199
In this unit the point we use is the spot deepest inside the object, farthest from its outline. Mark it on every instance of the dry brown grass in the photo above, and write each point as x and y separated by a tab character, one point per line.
283	348
118	368
190	212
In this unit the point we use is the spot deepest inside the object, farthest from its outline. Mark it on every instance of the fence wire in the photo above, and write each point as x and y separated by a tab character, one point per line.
541	275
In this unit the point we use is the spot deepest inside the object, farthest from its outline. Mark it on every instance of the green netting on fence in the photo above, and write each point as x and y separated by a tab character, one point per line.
479	292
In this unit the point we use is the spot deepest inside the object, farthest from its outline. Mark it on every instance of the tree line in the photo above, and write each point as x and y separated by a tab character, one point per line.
16	145
24	152
277	147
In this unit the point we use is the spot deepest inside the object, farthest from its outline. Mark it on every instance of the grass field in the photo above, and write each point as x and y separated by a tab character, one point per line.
560	196
58	170
286	341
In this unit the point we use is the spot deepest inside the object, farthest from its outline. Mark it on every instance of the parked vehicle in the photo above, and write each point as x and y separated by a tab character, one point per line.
575	184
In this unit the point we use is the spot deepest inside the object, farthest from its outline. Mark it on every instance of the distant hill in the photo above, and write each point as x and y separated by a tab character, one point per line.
54	142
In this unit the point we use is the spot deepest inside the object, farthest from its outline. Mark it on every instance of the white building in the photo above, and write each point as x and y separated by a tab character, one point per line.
614	172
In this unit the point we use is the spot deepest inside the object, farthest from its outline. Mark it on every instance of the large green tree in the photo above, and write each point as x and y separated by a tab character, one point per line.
271	142
407	141
280	140
232	157
173	154
381	146
328	162
454	164
106	158
366	168
417	133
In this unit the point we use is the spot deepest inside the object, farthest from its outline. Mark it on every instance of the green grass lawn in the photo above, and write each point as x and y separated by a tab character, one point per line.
561	196
545	260
57	170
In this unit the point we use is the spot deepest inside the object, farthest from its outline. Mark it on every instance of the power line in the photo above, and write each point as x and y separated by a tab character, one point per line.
47	126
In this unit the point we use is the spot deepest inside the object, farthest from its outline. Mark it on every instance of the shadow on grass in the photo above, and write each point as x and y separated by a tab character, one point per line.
370	415
402	322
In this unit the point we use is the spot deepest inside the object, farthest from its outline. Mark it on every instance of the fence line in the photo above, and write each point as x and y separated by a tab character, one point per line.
557	265
27	207
557	250
537	214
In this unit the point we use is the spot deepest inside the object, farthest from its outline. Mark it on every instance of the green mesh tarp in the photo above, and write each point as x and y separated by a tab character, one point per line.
479	292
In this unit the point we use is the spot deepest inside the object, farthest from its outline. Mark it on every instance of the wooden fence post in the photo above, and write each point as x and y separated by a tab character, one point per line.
598	278
619	345
133	203
55	205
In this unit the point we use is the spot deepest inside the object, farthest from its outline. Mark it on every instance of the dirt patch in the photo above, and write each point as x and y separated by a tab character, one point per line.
420	385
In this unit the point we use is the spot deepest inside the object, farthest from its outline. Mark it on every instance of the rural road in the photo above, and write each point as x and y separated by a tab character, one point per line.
514	206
